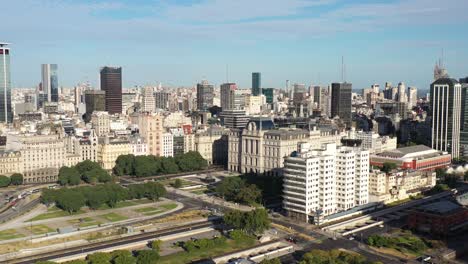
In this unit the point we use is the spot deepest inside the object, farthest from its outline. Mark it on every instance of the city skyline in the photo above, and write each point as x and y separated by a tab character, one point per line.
301	41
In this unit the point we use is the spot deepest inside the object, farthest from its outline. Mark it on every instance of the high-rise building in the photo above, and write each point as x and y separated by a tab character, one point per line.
299	92
95	100
464	118
322	182
111	83
256	83
446	95
161	100
269	94
149	102
402	92
317	94
412	97
228	94
341	102
205	95
50	82
6	115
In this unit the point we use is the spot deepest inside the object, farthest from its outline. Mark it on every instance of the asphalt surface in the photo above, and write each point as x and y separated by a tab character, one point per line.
21	207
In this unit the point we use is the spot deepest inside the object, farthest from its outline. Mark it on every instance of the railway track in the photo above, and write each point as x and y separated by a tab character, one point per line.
106	244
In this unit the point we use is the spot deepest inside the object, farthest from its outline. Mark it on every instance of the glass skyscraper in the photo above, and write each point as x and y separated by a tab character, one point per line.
50	82
256	83
6	115
111	83
341	102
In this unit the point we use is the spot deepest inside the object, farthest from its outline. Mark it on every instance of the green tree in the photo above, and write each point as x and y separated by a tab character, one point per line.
4	181
147	166
147	257
169	165
156	245
16	179
123	257
253	222
87	165
154	190
96	199
249	195
465	176
125	165
440	173
69	175
271	261
229	187
70	200
388	166
99	258
177	183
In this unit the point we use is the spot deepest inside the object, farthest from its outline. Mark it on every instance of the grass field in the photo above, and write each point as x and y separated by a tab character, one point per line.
199	191
54	212
84	222
10	234
113	217
170	182
126	204
189	257
39	229
156	210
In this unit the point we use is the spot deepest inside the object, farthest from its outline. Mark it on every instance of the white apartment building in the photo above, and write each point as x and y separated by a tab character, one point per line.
138	145
167	143
100	121
373	142
322	182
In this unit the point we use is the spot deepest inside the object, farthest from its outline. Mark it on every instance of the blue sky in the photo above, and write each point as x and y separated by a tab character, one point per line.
180	42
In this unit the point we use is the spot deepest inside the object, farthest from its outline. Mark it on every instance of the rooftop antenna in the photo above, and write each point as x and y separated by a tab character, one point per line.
342	69
227	73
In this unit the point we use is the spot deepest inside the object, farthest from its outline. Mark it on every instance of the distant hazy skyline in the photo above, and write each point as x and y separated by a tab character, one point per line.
180	42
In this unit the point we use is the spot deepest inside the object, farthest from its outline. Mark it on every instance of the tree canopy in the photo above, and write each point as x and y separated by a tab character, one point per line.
144	166
4	181
253	222
238	190
87	171
16	179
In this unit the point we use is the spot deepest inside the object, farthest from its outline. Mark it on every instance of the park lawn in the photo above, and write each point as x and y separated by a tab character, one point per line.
123	204
189	257
84	222
39	229
54	212
170	182
156	210
9	234
199	191
113	217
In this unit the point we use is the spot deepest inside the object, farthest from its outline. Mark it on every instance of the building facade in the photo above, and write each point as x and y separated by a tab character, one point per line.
111	83
256	83
445	98
341	102
50	82
228	95
6	114
110	149
151	129
322	182
205	95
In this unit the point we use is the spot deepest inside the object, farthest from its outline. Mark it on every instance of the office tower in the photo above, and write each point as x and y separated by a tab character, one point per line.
445	100
205	94
402	92
6	115
317	94
95	101
111	83
412	97
269	95
299	92
375	88
149	102
228	94
341	102
50	82
234	118
322	182
256	83
77	92
464	118
161	100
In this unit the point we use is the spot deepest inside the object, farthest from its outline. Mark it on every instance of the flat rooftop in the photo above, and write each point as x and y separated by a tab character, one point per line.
442	207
